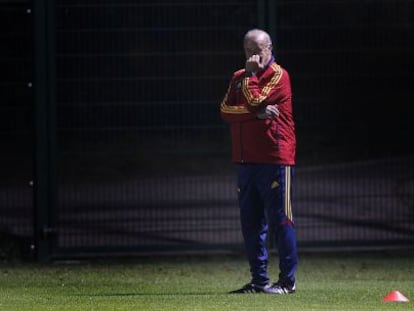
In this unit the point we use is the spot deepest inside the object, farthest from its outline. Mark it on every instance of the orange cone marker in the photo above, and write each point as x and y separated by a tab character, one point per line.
395	296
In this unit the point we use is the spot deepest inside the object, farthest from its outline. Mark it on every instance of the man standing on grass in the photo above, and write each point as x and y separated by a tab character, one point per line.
258	108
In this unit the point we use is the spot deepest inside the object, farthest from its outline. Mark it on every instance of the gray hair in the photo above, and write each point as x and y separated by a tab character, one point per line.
258	35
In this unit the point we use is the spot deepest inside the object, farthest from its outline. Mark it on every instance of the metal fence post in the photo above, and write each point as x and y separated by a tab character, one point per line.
45	128
261	14
266	11
271	13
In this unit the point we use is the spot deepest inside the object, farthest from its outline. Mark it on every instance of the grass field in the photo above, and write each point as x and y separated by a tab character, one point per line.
326	281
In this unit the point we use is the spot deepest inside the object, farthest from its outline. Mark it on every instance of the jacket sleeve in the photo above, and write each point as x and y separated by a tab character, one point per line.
259	96
230	110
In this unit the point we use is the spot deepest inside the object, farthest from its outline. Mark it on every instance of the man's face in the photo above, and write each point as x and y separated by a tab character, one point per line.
254	46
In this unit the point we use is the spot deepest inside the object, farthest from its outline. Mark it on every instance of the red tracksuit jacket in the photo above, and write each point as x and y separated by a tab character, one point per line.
255	140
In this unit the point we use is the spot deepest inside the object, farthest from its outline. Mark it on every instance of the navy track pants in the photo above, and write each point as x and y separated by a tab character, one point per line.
265	202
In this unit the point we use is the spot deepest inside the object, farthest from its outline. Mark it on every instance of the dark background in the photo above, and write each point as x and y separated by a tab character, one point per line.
350	63
134	131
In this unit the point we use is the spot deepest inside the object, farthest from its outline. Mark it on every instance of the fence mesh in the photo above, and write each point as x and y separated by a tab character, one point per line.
143	159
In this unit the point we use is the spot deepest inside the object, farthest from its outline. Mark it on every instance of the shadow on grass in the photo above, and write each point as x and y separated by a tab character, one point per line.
153	294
